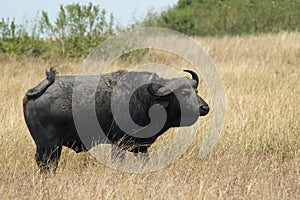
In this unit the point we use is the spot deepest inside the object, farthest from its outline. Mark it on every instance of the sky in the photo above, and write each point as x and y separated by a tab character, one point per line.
125	11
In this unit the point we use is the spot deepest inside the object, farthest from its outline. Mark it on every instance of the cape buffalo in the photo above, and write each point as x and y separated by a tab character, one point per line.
51	115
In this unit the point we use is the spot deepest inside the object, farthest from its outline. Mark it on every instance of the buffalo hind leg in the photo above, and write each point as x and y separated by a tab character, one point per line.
48	142
47	157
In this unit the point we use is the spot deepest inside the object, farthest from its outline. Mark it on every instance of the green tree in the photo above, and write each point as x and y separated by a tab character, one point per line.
219	17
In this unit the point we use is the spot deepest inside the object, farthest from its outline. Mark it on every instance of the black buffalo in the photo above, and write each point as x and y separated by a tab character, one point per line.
50	117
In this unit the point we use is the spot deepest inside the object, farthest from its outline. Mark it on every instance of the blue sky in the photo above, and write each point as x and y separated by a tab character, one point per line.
124	11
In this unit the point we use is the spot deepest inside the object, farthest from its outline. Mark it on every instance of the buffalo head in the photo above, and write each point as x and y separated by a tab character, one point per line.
180	98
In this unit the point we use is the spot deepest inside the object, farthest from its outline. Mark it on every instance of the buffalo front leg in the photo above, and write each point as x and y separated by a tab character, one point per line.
117	154
141	153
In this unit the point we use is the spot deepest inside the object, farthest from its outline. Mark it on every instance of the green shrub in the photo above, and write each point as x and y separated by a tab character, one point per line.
75	32
78	29
234	17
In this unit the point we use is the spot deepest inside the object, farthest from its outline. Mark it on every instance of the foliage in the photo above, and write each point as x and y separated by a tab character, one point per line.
233	17
76	30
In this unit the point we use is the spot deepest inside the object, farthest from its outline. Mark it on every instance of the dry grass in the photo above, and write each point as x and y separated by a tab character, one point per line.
257	156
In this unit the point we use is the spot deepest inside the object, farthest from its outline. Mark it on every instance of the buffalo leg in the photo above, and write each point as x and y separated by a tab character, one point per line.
48	147
47	139
47	157
117	153
142	153
136	152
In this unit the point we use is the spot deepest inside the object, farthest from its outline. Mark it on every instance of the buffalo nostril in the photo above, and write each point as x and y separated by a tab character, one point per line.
204	110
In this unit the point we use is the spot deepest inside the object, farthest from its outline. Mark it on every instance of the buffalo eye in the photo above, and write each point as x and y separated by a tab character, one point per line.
185	93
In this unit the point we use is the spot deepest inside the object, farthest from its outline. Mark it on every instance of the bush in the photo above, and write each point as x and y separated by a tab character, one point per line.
233	17
76	30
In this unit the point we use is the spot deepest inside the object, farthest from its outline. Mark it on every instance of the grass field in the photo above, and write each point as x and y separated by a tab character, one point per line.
256	157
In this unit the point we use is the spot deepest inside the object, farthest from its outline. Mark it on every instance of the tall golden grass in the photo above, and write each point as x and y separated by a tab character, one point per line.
256	157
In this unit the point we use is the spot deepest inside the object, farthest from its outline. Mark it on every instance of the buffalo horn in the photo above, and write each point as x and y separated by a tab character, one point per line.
194	76
149	85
